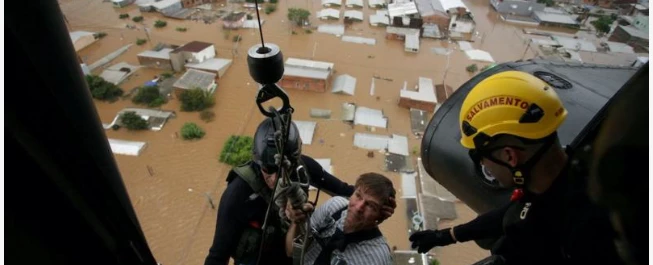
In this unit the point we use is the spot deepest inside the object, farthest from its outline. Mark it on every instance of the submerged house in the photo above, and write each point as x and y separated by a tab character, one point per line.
306	75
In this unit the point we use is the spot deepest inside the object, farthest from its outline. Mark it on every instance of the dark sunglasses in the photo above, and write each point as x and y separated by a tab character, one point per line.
477	154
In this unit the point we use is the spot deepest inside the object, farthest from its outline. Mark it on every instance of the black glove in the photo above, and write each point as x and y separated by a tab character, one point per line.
426	240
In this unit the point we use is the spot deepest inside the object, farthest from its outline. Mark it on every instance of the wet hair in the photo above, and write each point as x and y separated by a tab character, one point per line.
376	185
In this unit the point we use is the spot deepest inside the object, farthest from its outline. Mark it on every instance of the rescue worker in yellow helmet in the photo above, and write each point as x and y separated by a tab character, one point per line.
509	123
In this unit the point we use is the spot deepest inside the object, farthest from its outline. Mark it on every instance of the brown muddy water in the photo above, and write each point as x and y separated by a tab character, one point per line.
171	204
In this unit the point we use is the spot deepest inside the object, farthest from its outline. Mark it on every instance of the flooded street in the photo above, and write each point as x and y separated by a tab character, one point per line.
172	204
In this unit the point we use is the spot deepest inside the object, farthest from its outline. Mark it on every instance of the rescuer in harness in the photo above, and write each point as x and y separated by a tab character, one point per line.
243	204
508	122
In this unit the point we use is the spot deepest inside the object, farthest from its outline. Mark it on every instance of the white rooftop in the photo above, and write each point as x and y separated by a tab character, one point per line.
308	68
348	111
453	4
122	147
354	14
555	18
164	3
351	3
359	40
380	19
371	141
306	130
479	55
402	9
113	74
328	13
252	23
412	41
373	3
337	30
402	31
304	72
75	35
370	117
196	79
464	45
635	32
398	144
575	44
213	64
619	47
331	2
161	54
309	64
554	10
408	186
430	7
425	92
462	26
345	84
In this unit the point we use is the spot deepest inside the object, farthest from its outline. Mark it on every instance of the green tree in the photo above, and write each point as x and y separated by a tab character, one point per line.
101	89
237	150
133	122
602	24
140	42
99	35
137	19
150	96
548	3
207	115
195	99
191	131
472	68
160	24
180	29
123	16
298	15
269	8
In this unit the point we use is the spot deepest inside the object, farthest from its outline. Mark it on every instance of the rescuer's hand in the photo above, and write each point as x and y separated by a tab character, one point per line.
426	240
298	215
388	209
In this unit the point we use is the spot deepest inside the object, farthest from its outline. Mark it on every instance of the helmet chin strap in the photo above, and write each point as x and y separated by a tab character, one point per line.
521	174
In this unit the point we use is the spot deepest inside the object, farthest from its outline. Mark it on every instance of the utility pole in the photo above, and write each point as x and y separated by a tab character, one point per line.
314	48
446	68
147	34
526	50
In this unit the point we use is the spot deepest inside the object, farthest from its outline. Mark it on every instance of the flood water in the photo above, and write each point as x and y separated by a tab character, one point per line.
172	204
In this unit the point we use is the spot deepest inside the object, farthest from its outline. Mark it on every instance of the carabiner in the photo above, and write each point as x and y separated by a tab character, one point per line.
268	92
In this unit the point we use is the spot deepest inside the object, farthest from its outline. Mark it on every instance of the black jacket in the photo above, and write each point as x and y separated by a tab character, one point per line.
560	226
237	211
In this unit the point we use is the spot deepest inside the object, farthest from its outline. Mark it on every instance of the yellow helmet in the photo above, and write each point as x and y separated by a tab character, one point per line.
510	102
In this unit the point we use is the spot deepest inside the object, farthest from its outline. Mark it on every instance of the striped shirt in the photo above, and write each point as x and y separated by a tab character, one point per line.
373	251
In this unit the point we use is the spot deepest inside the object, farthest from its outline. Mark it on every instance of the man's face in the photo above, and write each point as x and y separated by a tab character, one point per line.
364	210
270	177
